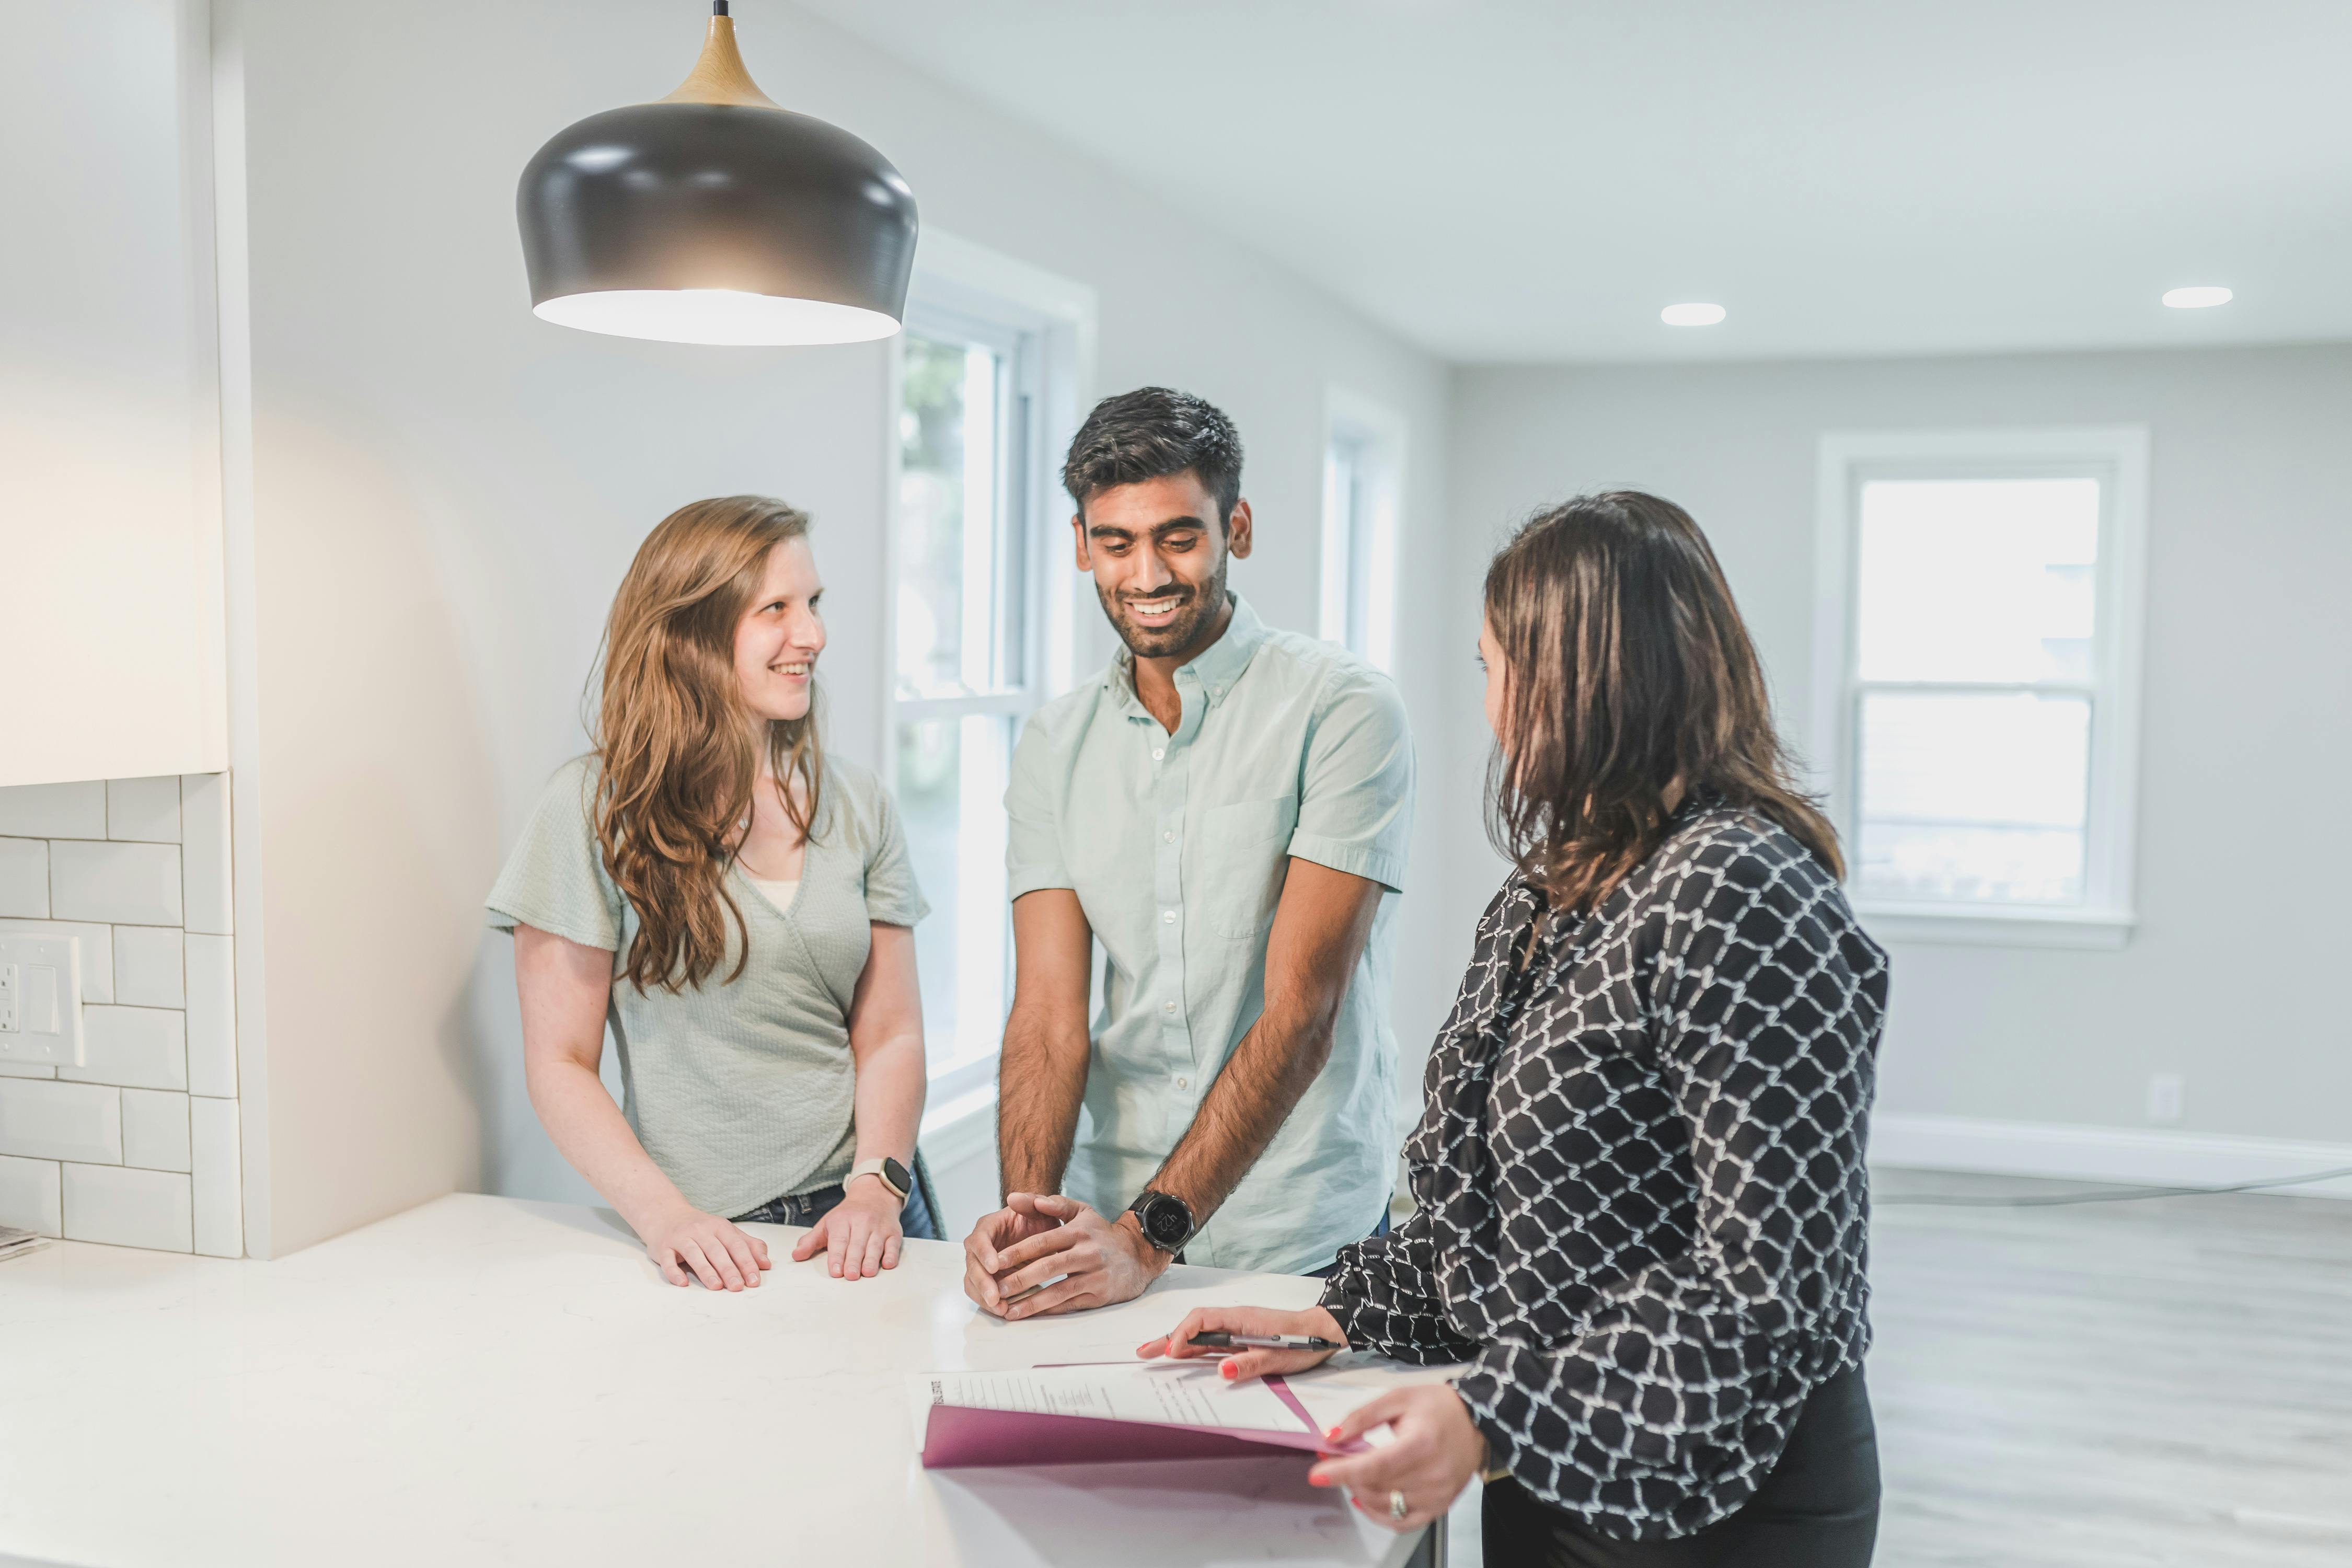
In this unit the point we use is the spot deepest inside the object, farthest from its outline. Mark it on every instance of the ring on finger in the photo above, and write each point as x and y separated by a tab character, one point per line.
1398	1508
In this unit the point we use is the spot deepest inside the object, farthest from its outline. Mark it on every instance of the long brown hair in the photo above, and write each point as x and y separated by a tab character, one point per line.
1629	673
673	739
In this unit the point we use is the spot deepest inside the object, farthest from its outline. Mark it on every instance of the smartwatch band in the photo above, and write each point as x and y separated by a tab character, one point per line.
892	1174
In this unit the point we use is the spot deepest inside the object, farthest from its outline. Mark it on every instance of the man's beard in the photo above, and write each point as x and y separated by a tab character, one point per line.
1194	614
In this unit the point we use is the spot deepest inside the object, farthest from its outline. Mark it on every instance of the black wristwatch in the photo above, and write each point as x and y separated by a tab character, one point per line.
1166	1220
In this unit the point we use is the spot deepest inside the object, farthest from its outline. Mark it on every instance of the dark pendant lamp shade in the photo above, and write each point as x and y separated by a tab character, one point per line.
715	217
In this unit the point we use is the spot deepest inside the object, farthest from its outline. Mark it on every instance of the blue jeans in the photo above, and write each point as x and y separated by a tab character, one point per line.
807	1209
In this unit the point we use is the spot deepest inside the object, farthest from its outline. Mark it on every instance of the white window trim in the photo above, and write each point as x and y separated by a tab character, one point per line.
957	280
954	276
1381	433
2119	455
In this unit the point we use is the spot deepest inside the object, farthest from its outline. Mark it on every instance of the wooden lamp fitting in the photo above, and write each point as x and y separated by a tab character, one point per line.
719	77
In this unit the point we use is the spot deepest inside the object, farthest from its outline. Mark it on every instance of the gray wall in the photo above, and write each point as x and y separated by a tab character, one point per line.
2242	861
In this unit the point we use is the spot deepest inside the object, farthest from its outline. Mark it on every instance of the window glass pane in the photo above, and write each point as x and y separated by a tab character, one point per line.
949	514
1970	797
1345	557
1978	580
951	777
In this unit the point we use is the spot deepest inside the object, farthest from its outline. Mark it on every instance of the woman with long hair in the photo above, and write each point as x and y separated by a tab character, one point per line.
739	907
1641	1210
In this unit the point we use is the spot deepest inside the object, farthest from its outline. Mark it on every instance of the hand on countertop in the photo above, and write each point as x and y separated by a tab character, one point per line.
860	1235
685	1239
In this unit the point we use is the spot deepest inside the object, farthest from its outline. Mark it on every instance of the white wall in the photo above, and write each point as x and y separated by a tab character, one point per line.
445	491
2248	728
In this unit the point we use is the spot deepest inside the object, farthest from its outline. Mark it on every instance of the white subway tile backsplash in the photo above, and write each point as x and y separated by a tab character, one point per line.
23	878
148	972
97	951
124	1208
29	1195
155	1130
204	833
52	811
143	808
129	884
219	1178
211	1014
138	1047
120	1150
48	1120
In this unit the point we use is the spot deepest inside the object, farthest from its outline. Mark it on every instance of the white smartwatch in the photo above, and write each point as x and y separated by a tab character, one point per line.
893	1174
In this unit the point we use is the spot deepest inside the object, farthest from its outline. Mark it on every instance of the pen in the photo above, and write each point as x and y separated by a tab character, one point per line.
1217	1339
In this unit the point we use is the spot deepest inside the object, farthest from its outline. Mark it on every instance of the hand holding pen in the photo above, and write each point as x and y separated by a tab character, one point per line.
1218	1340
1299	1340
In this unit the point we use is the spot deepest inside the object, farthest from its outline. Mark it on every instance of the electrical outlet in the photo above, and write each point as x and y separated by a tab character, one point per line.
2165	1092
40	1000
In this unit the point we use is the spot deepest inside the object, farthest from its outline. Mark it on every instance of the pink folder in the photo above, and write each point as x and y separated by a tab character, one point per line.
958	1438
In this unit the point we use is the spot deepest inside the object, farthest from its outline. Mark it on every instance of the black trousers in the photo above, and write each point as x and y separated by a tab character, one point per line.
1818	1509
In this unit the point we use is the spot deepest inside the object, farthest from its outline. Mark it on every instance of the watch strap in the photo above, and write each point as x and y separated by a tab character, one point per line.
880	1171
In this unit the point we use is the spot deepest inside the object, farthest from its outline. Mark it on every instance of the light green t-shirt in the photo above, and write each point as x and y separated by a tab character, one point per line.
740	1092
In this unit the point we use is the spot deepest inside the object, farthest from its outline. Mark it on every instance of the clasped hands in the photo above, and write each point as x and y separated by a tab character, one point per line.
1063	1251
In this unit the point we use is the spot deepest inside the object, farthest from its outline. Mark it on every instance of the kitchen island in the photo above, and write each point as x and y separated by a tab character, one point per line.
489	1381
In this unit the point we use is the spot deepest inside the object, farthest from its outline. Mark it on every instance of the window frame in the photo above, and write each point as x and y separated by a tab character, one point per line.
2117	457
1367	538
962	291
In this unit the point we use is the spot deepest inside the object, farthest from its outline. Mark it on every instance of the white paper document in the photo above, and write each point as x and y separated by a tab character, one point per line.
1168	1392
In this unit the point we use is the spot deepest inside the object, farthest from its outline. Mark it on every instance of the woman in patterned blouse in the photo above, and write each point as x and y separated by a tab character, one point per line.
1641	1212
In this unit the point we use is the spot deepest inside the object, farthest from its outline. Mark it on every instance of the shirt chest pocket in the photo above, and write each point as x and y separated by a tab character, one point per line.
1244	854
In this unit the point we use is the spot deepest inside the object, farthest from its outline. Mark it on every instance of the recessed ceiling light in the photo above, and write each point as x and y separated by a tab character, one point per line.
1691	315
2196	298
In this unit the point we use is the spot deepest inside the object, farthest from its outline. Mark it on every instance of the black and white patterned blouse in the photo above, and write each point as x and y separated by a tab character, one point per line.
1642	1211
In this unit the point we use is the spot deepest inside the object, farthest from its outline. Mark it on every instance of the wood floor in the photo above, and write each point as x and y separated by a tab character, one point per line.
2163	1381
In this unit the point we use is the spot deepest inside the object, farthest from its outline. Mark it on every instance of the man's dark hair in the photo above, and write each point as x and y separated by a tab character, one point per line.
1149	434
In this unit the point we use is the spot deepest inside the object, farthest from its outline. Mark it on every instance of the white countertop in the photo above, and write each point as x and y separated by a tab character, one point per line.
485	1380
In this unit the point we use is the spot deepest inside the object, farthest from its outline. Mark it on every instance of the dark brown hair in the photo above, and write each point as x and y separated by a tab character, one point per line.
1628	672
678	760
1150	433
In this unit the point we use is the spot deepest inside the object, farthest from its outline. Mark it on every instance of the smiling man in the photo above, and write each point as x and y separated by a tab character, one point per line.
1225	810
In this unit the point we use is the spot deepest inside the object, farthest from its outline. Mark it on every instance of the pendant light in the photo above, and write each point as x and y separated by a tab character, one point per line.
717	216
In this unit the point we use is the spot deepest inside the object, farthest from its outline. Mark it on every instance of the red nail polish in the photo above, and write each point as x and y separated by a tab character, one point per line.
1334	1432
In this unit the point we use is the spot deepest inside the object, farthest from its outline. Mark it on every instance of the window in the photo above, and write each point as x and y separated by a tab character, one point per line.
1362	469
986	389
1978	688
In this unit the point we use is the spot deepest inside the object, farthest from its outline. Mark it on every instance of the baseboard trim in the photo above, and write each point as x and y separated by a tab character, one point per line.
2136	1156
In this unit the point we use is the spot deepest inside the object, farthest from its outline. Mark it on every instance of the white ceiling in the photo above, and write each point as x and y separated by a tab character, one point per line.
1511	180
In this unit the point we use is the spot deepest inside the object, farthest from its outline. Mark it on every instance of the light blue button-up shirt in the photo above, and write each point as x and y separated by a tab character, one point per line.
1177	846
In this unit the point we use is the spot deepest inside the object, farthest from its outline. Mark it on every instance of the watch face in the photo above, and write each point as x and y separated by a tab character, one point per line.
896	1174
1167	1221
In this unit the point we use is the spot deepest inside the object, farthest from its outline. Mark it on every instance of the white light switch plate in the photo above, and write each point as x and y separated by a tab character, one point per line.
40	1000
